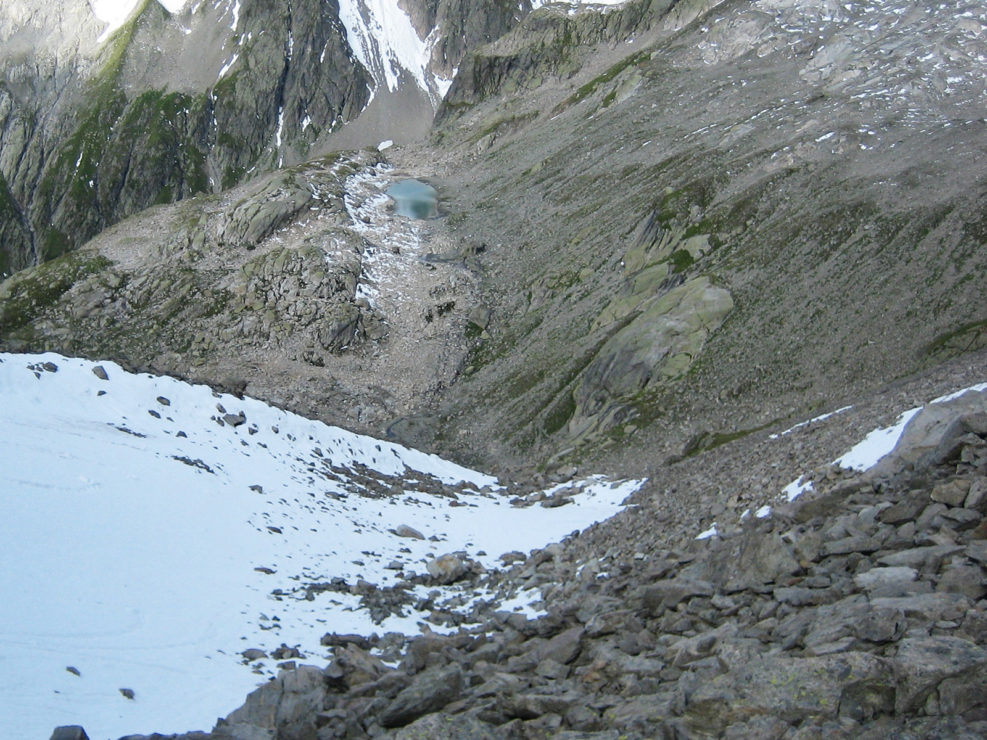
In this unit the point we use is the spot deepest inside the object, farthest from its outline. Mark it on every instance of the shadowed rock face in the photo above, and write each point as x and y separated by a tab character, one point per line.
122	126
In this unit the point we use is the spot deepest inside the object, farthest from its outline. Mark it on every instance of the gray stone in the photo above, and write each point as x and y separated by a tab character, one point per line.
288	704
235	420
934	607
906	510
964	579
888	581
930	557
922	663
100	372
69	732
786	687
951	493
763	559
403	530
881	625
530	706
429	692
436	726
668	594
353	665
563	648
795	596
960	519
855	543
447	568
929	435
977	550
977	496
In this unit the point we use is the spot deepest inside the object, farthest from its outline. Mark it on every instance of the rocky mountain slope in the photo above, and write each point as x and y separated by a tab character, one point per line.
98	123
664	226
855	612
666	230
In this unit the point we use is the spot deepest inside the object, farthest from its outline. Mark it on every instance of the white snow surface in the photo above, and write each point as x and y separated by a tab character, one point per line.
132	541
385	41
880	442
114	13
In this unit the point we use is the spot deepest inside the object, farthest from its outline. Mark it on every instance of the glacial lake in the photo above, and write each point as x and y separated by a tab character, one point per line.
414	199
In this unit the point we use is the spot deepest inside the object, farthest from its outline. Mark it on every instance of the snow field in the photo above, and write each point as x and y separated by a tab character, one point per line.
146	545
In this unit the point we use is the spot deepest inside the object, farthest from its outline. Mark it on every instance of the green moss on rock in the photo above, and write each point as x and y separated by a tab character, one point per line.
27	294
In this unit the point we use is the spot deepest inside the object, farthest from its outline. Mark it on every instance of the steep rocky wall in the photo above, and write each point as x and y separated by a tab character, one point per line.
550	43
130	134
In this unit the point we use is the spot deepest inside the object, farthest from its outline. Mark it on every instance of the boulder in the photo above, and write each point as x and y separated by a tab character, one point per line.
888	581
792	689
69	732
286	705
403	530
460	726
930	436
921	664
447	569
668	594
429	692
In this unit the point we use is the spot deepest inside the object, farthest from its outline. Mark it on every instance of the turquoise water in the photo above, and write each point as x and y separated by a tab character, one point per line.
414	199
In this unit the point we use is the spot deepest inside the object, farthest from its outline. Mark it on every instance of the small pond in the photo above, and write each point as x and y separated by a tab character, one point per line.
414	199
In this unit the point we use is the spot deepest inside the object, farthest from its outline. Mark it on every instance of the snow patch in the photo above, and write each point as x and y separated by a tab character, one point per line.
384	40
877	444
114	13
813	420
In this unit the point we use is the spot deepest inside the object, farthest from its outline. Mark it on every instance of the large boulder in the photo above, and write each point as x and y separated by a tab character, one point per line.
429	692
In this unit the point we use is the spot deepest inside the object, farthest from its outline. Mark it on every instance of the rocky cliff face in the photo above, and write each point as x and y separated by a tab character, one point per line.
794	156
167	106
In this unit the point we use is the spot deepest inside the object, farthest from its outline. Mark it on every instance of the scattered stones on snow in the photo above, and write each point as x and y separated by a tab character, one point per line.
849	620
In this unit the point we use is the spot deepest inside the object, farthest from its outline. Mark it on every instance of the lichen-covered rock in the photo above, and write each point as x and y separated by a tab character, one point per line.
660	343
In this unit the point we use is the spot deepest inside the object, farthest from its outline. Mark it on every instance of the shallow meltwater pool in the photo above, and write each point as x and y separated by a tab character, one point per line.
414	199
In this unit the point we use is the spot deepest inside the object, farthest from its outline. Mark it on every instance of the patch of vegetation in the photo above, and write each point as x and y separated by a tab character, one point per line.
27	294
681	260
509	122
69	182
636	59
9	214
706	441
966	338
558	416
53	245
